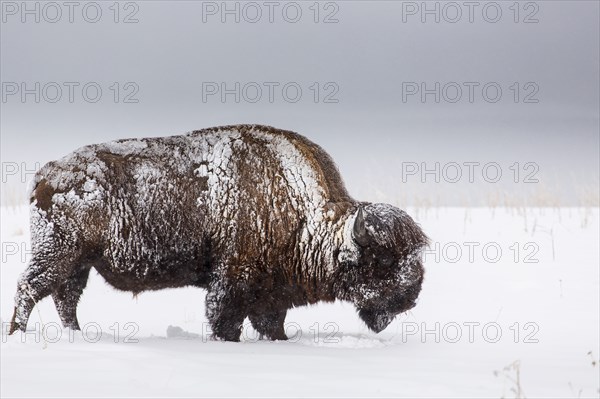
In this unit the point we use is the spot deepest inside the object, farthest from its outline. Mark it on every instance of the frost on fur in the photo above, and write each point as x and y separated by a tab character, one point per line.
257	216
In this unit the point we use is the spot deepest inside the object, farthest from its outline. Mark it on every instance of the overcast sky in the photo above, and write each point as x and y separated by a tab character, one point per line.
361	68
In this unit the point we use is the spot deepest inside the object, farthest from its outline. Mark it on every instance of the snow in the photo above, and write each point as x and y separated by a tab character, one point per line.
163	348
124	147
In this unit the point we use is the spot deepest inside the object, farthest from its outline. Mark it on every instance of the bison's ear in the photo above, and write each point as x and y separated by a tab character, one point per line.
360	233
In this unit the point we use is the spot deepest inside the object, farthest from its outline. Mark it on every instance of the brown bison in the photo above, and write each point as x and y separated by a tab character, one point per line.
257	216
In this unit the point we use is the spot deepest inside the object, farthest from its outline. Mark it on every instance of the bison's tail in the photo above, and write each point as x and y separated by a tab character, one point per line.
39	188
32	185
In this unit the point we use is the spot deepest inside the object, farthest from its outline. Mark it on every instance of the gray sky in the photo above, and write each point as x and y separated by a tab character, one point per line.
369	62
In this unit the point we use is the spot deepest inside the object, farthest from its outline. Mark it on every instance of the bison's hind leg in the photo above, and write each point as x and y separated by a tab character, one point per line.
53	261
66	297
40	279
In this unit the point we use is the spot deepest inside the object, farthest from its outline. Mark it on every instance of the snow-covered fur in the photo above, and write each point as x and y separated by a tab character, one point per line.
258	216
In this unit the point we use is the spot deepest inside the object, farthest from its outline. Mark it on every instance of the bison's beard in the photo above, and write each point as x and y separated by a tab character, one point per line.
377	316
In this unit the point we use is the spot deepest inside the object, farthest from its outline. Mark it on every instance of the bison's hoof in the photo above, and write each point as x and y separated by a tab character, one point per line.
74	327
225	337
14	326
278	337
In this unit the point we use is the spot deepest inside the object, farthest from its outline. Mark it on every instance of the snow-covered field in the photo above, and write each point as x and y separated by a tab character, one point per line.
509	307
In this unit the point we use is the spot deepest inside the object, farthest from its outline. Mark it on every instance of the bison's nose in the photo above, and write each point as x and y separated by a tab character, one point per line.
376	321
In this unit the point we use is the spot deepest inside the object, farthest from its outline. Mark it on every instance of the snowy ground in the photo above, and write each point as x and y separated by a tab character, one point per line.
488	324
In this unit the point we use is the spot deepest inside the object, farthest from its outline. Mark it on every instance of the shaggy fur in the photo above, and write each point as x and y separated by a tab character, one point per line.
257	216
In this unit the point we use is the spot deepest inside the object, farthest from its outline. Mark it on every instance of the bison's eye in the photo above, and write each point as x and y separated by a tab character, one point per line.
386	260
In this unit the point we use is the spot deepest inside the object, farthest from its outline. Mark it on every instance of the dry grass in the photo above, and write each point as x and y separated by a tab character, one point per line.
512	375
13	195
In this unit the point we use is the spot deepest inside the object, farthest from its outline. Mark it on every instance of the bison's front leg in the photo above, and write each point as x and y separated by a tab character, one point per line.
269	322
225	309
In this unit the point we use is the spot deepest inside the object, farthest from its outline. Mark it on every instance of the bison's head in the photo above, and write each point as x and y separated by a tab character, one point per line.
385	279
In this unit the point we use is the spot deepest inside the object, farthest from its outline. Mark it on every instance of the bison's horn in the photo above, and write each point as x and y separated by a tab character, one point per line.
361	236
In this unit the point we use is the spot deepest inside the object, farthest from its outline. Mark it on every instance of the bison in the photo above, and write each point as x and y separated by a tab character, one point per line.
257	216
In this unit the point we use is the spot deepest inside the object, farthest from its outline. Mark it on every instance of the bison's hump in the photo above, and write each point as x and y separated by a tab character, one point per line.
317	157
